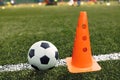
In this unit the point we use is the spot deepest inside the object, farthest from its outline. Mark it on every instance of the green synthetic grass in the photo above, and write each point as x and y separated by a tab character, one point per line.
21	27
109	72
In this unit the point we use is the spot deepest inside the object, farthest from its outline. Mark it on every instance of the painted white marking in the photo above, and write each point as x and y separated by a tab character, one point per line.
114	56
61	62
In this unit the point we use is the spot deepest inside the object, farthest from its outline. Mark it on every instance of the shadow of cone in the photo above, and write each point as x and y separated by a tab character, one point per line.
81	60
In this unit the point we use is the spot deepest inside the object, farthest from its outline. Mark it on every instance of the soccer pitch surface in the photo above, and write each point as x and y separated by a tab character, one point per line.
21	26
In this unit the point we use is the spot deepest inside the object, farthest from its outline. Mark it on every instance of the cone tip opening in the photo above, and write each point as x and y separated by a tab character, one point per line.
83	12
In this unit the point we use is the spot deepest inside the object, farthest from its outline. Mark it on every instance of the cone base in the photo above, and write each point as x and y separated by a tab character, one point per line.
95	67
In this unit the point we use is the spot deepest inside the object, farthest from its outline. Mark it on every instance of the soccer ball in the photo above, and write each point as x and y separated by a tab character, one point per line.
43	55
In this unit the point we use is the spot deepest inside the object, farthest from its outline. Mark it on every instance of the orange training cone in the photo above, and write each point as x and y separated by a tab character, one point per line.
82	60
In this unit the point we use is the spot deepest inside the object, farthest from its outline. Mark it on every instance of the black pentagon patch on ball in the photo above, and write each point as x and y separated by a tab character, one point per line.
56	55
35	67
44	60
44	45
51	68
31	53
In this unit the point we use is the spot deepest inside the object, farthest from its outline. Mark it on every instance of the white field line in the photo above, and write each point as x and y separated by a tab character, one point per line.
61	62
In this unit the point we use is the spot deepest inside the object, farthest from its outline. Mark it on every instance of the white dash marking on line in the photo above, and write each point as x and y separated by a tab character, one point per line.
114	56
61	62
